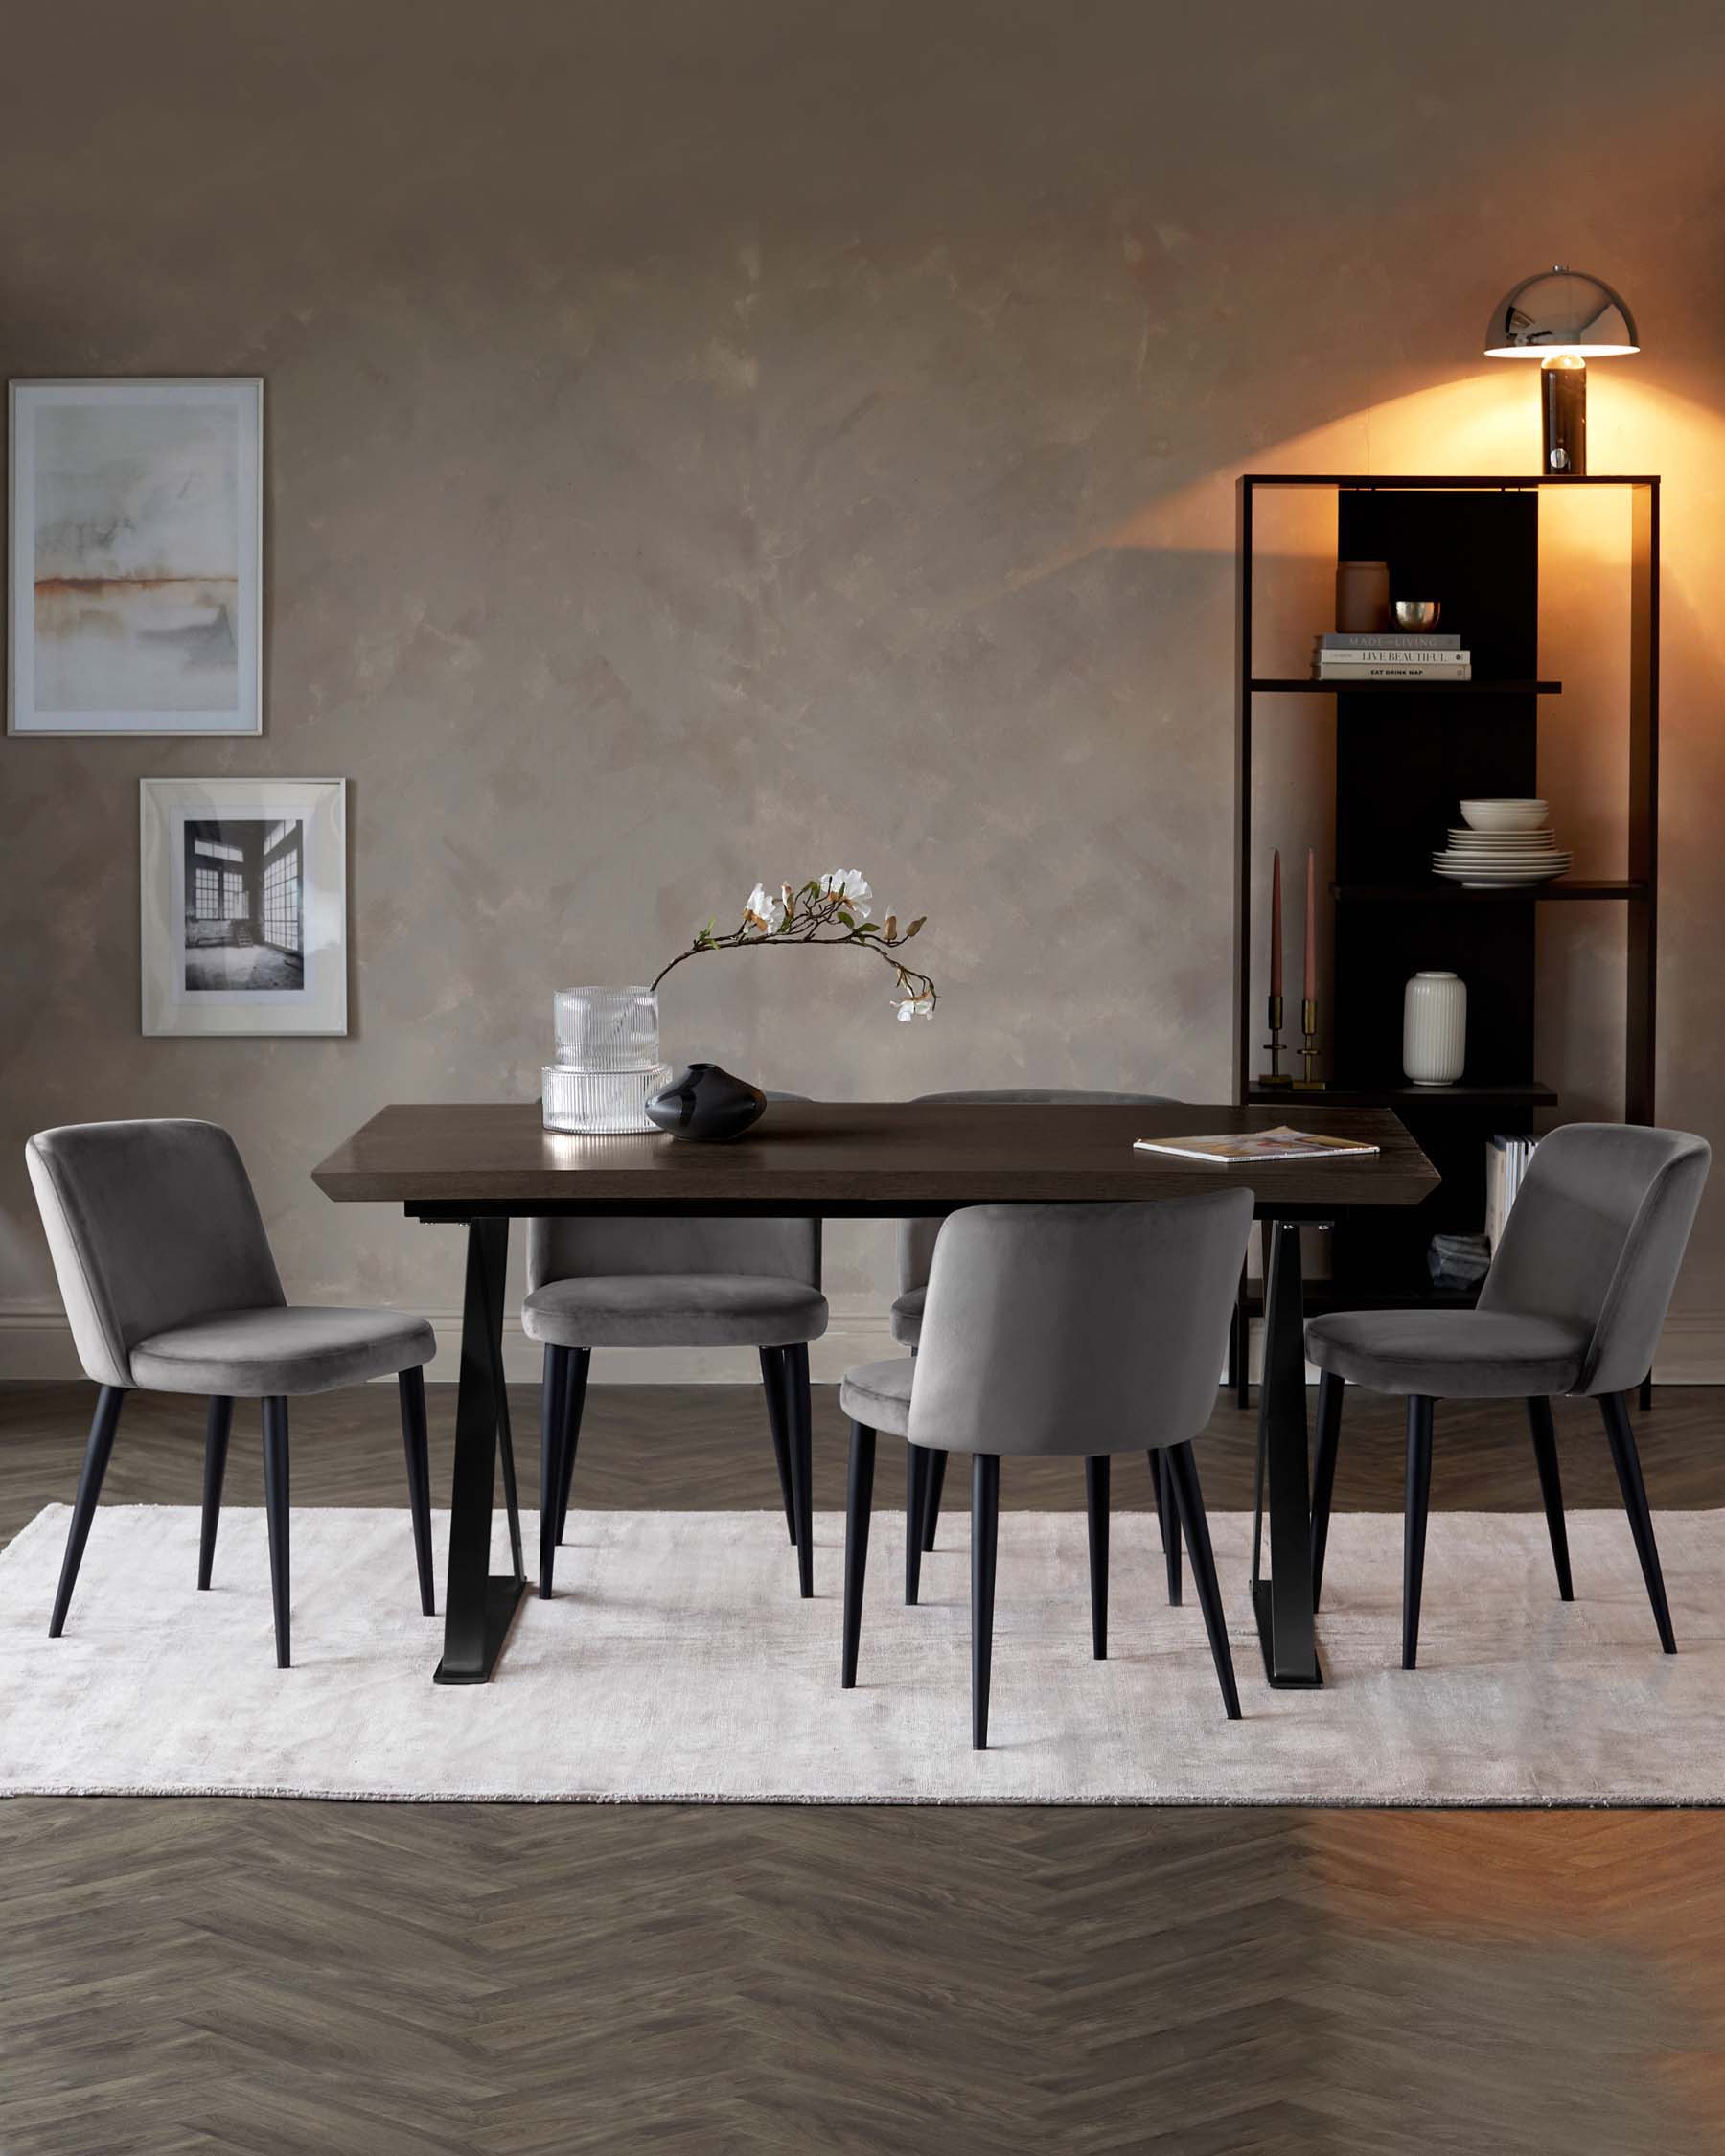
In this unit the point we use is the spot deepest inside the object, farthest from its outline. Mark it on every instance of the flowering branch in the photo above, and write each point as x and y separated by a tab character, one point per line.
830	908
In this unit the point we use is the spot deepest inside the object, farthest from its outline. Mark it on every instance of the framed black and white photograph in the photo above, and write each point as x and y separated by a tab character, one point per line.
244	905
135	592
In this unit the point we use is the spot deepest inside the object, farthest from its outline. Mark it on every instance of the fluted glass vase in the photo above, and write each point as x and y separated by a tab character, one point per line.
608	1063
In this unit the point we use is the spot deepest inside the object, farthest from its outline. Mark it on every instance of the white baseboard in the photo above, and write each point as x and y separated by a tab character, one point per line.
35	1343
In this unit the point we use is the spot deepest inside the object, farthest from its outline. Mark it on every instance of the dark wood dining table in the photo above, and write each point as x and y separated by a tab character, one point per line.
479	1166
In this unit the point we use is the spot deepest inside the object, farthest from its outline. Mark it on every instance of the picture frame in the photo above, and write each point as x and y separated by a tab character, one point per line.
135	584
243	906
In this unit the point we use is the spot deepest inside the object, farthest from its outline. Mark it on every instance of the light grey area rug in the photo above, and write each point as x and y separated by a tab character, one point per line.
676	1663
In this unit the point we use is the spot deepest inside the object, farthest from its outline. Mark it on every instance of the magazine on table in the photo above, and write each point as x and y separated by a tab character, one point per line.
1279	1143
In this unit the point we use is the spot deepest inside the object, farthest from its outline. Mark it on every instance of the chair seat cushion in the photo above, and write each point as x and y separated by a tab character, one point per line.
673	1310
250	1354
906	1317
878	1394
1449	1354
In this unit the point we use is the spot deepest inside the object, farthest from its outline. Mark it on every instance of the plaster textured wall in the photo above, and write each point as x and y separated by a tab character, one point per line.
715	441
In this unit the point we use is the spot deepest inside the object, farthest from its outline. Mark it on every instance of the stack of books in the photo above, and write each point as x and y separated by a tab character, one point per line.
1390	655
1506	1163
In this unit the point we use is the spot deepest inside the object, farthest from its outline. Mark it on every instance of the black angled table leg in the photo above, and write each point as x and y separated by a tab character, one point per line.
218	1426
480	1605
1282	1603
494	1340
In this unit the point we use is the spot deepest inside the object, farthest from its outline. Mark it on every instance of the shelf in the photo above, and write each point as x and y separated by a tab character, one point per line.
1297	685
1531	1095
1472	538
1510	482
1459	894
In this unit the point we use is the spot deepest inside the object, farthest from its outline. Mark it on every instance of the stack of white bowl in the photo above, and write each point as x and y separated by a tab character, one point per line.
1502	844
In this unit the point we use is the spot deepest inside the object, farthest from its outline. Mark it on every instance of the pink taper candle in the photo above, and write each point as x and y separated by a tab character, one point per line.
1275	979
1311	942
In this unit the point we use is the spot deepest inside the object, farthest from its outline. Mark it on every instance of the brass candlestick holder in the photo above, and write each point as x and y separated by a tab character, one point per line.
1275	1075
1310	1082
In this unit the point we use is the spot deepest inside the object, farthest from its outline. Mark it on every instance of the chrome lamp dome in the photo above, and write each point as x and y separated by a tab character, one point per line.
1562	318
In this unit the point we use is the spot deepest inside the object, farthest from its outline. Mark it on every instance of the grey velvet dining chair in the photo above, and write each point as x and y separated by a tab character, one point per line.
170	1286
682	1282
1578	1291
925	1472
1058	1330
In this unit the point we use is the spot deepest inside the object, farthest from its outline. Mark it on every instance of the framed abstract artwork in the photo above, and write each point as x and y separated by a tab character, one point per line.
243	904
135	592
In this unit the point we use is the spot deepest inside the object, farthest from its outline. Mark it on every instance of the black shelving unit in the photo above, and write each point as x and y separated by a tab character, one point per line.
1474	543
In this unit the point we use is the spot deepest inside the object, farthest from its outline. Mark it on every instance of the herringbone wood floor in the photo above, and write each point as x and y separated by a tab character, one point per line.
180	1976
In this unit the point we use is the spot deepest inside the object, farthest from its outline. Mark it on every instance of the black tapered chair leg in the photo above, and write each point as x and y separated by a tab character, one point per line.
985	1534
574	1401
1331	1391
1187	1494
773	1384
1169	1511
553	1387
918	1465
937	1463
859	1502
1157	1498
416	1444
275	1506
799	1421
1418	1506
219	1424
1550	1489
1240	1375
103	1425
1095	1506
1613	1407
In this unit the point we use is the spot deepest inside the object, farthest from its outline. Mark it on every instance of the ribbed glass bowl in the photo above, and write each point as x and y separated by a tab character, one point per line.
599	1103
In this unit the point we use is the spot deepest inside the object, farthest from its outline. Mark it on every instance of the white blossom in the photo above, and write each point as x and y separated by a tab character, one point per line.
764	914
849	885
915	1006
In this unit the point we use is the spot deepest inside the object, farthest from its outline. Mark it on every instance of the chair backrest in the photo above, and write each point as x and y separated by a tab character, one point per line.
575	1250
1595	1237
917	1237
152	1225
1078	1329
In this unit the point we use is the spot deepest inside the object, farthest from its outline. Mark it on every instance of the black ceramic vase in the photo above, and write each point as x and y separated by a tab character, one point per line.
707	1105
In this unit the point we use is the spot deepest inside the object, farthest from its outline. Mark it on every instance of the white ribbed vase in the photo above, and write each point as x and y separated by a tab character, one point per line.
1434	1029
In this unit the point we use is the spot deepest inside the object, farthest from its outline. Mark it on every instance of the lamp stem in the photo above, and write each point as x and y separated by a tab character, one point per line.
1563	409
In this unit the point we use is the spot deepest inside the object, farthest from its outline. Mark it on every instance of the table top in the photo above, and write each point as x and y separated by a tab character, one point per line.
857	1159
